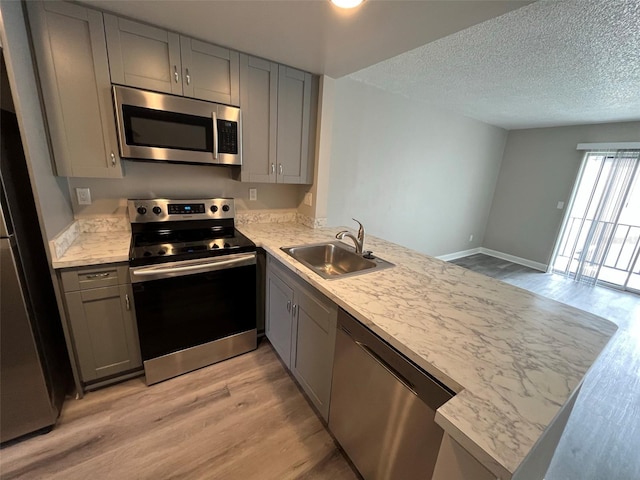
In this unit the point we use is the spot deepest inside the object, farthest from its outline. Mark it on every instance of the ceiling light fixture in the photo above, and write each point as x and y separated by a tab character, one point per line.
346	3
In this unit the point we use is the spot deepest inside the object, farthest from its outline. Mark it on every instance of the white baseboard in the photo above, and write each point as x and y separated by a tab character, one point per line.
464	253
512	258
493	253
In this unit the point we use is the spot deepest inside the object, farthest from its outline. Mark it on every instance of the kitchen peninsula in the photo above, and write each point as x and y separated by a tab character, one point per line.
514	359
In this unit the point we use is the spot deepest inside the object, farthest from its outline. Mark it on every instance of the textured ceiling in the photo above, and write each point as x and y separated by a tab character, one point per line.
550	63
314	35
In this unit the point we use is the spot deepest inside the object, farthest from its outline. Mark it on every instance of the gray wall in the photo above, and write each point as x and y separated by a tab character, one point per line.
51	193
159	180
414	175
538	170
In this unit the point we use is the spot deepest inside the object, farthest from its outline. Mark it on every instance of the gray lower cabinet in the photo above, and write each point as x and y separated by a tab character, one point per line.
101	317
73	68
279	108
152	58
279	313
301	326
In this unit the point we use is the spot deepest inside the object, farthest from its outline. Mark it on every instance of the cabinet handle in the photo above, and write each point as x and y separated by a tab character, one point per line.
289	306
280	169
187	76
175	73
295	311
273	168
126	300
98	275
113	159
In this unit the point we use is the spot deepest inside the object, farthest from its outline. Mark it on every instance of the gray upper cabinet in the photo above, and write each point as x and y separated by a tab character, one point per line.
155	59
209	72
279	105
143	56
101	316
259	104
71	56
294	115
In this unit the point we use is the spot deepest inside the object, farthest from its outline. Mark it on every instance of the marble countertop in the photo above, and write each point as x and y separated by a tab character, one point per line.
513	358
95	248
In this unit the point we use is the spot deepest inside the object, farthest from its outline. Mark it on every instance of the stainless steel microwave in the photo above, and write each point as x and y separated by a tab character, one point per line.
162	127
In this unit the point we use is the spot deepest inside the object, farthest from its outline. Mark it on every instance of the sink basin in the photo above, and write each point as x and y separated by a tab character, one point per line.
335	259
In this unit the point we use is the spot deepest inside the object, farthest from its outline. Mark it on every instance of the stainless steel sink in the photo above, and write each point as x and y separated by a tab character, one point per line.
334	259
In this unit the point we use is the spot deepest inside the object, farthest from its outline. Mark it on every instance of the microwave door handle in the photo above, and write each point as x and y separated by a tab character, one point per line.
215	135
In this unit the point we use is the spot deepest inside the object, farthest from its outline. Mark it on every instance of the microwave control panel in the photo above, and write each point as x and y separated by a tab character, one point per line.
227	137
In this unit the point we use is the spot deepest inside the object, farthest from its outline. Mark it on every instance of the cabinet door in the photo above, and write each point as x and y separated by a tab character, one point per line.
73	67
104	332
314	334
294	112
143	56
258	102
278	321
209	72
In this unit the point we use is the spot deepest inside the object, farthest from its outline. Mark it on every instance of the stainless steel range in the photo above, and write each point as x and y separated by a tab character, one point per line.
194	284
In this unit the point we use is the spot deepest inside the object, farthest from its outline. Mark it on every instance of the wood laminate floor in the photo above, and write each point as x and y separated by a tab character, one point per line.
602	438
243	419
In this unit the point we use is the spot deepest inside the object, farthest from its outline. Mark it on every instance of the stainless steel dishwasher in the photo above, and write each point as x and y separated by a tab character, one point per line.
383	407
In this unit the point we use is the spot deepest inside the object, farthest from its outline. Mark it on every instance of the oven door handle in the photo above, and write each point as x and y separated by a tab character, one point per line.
158	272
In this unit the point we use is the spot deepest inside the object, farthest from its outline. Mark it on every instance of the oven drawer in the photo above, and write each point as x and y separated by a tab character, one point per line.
96	276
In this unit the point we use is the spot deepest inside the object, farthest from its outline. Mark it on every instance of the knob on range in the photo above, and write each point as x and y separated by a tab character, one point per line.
142	210
214	208
157	210
225	208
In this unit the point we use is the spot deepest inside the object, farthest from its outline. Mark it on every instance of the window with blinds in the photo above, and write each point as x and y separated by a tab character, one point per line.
600	239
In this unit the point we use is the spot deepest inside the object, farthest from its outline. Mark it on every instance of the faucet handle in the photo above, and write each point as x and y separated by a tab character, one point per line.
360	229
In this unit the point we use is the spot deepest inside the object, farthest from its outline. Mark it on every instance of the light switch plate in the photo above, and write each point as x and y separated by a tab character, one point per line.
560	205
84	196
253	194
308	199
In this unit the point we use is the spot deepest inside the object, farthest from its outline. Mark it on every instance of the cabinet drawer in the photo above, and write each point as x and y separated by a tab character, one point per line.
94	277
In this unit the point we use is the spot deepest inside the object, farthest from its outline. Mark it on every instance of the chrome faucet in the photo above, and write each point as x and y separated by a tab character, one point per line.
359	241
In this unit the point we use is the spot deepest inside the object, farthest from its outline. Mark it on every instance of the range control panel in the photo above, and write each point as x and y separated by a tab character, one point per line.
166	210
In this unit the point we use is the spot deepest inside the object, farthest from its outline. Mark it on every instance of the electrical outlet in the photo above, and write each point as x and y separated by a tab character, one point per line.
84	196
471	237
308	199
253	194
560	205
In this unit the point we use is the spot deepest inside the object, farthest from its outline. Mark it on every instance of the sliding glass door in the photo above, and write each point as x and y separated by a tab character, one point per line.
600	241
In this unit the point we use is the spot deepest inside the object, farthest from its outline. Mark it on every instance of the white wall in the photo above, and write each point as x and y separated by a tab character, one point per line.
539	169
414	175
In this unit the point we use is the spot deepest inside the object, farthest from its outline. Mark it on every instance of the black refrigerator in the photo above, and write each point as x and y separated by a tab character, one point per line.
35	373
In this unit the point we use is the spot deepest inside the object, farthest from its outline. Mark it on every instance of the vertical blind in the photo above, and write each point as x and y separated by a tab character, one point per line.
599	198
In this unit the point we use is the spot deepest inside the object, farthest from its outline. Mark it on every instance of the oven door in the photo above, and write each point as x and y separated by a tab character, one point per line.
194	313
